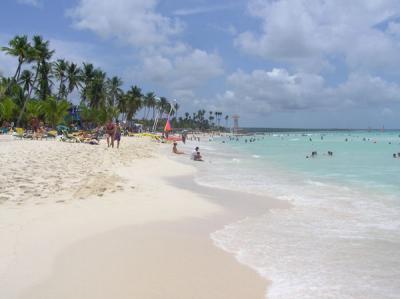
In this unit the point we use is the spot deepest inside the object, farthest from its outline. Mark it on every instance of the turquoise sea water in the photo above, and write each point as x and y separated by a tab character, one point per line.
364	160
341	238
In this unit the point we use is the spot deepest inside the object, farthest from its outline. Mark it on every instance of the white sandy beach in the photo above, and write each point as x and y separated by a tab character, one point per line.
82	221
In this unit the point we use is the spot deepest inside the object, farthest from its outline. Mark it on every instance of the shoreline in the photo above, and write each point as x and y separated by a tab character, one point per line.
85	232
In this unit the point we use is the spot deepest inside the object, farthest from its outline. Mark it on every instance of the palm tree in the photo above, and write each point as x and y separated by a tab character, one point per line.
122	105
103	114
18	95
21	48
55	111
73	78
96	90
26	80
218	116
112	113
33	109
133	102
87	75
226	120
211	119
87	114
40	53
4	82
145	105
114	91
151	102
7	109
60	70
155	106
44	81
176	108
163	105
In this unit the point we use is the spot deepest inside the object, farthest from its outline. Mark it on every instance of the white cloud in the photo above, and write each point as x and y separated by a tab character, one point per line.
265	91
74	51
8	64
201	9
184	73
262	92
131	21
308	33
77	52
387	112
363	89
164	58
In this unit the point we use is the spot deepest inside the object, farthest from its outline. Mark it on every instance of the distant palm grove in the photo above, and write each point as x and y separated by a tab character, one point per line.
42	88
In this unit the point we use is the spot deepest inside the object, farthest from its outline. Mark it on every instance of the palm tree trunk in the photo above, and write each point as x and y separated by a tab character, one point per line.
59	89
28	96
144	112
17	72
23	109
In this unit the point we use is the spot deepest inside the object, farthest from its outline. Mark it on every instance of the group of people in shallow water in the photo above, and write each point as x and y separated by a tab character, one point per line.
396	156
314	154
251	139
195	156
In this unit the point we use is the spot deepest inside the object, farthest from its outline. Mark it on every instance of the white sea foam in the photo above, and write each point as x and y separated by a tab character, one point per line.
315	183
340	240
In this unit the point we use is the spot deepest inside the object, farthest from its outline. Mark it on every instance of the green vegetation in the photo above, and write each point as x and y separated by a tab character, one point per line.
42	88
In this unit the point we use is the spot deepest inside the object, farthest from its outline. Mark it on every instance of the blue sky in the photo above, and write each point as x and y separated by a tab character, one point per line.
277	63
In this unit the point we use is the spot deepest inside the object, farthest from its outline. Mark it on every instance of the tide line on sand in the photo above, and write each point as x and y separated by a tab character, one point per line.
82	221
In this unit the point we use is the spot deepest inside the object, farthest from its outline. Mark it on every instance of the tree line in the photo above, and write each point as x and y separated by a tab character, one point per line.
42	88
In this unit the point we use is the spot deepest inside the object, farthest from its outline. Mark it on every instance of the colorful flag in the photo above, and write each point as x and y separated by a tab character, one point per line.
167	126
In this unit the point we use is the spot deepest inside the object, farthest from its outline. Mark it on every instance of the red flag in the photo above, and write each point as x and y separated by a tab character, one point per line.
167	126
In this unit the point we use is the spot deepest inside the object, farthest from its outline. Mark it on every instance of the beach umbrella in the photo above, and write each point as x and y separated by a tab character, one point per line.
167	126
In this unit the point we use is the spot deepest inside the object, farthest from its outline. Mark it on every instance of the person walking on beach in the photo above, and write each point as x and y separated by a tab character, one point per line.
110	133
118	133
35	124
184	137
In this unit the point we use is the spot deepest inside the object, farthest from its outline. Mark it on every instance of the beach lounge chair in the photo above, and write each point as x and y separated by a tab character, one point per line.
90	137
52	134
19	133
69	138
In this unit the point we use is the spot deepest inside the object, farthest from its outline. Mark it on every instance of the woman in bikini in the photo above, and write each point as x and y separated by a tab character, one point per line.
175	149
110	132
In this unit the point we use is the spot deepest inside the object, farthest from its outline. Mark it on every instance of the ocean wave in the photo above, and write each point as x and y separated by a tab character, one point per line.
340	240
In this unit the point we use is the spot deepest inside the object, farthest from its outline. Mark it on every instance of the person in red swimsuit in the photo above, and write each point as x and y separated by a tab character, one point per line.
110	132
